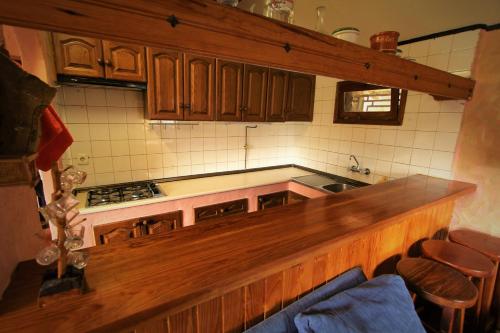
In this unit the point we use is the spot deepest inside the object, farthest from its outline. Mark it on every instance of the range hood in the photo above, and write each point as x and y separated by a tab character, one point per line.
79	80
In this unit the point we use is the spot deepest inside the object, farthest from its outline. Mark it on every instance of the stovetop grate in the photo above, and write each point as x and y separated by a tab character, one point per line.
122	193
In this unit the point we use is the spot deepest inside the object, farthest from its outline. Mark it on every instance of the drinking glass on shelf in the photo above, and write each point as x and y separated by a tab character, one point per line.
78	259
48	255
74	237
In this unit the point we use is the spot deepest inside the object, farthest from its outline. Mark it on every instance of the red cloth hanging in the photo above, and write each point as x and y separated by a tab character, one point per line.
54	141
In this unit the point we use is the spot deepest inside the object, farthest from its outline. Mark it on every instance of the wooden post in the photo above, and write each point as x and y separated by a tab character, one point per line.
61	223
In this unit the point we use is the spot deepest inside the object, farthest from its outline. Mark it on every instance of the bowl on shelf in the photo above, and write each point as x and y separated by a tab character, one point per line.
349	34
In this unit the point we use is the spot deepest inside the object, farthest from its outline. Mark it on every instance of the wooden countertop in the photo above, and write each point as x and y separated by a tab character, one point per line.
163	274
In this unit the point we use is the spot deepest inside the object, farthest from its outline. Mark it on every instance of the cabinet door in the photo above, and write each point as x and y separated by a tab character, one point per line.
229	79
300	97
78	55
113	233
164	84
272	200
255	93
162	223
220	210
199	88
124	61
295	197
277	94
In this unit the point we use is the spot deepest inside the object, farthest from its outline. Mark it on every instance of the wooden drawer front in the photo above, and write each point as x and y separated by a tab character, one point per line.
118	232
162	223
220	210
273	200
295	197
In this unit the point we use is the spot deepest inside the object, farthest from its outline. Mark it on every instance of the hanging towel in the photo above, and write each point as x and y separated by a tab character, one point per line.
54	141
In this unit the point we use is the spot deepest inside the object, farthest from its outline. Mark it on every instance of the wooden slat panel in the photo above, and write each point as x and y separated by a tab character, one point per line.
233	309
387	249
359	253
306	277
228	33
254	303
210	316
274	294
319	270
291	286
417	233
153	326
183	322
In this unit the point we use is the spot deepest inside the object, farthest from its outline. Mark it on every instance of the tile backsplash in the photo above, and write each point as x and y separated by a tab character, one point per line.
108	126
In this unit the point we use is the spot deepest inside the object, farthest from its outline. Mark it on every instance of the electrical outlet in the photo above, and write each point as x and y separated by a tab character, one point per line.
83	159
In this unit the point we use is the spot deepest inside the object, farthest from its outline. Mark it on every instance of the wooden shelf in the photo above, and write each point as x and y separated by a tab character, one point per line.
206	28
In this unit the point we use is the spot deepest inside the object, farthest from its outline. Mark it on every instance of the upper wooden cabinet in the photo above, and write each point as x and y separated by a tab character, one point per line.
165	84
91	57
277	95
199	88
229	78
78	55
124	61
300	97
255	93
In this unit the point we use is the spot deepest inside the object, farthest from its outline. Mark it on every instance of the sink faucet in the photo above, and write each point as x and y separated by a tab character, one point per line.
356	168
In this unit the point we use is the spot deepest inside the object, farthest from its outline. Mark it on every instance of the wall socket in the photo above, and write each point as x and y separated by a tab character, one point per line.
83	159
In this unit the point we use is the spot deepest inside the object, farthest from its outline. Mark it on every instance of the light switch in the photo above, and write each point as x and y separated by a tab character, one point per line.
83	159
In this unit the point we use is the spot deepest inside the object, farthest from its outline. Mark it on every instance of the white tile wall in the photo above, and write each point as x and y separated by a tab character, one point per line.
108	125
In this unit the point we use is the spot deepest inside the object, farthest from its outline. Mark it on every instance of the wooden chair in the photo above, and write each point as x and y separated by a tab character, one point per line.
471	263
440	285
490	247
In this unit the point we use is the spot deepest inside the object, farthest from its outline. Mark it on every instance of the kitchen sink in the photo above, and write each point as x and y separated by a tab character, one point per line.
338	187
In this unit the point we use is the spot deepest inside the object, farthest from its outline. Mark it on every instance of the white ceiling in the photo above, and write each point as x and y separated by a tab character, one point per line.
412	18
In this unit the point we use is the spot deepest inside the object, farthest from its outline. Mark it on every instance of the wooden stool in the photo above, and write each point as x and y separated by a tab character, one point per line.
441	285
490	247
471	263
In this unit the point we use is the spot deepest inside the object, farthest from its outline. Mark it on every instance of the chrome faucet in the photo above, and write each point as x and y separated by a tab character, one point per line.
356	168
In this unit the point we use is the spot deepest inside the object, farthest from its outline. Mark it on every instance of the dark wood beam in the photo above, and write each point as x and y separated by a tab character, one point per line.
204	27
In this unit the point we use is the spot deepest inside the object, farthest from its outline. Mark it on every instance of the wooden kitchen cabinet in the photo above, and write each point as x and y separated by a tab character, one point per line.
199	88
165	84
124	61
79	56
118	232
229	90
277	95
300	101
162	223
255	93
220	210
278	199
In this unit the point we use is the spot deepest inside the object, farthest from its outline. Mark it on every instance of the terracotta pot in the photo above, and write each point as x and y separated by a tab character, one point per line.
386	41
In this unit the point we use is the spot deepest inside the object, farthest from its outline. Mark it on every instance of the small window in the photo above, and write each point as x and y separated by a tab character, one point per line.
362	103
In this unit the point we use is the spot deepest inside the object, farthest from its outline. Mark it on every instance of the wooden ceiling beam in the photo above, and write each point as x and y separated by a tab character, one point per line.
204	27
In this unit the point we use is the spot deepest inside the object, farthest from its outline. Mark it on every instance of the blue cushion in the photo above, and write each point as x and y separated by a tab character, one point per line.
282	322
379	305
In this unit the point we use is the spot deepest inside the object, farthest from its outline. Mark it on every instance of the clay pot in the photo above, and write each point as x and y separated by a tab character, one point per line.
386	41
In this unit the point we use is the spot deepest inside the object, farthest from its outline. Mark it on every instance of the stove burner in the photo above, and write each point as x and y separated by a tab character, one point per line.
115	194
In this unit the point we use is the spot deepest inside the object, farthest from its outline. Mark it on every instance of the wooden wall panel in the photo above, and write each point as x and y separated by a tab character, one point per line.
291	286
210	316
254	302
233	311
273	294
184	322
376	252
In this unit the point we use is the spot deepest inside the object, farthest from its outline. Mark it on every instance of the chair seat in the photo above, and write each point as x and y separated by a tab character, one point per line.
463	259
486	244
438	283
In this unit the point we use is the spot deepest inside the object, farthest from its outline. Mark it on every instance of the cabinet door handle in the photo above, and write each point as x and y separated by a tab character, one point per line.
100	61
187	106
108	63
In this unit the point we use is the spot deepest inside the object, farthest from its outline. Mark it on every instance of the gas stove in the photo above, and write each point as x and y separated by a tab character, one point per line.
111	194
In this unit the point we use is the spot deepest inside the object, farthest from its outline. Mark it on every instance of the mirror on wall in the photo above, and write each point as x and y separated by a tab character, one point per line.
362	103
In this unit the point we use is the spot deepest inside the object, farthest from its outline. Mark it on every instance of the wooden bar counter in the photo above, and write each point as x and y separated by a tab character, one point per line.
227	275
